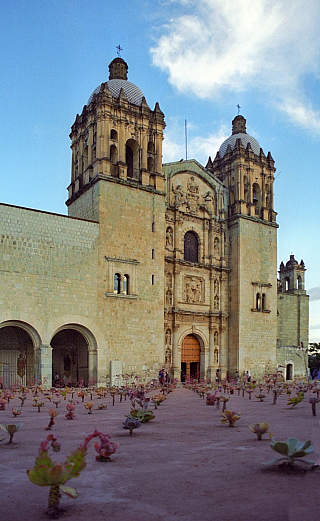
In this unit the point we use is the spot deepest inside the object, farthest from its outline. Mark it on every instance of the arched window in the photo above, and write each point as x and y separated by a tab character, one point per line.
263	301
299	282
117	283
113	154
132	159
114	134
129	161
256	193
287	284
258	301
125	284
191	247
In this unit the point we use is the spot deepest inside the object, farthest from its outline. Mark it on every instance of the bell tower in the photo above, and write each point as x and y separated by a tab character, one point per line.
116	136
252	249
117	181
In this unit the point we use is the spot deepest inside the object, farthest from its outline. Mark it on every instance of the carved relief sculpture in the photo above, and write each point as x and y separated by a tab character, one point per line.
168	337
192	196
178	195
193	292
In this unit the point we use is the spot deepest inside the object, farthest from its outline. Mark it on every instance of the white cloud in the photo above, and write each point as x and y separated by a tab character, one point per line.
213	45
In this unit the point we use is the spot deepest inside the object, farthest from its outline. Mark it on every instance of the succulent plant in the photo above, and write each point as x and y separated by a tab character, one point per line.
291	451
88	406
259	429
260	396
47	473
230	417
297	399
105	448
142	414
131	424
53	414
11	429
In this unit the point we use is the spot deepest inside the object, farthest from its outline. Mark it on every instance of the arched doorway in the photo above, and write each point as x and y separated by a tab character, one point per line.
289	372
70	358
16	356
190	358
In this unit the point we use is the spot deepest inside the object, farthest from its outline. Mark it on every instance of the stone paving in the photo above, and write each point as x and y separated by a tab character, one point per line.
183	465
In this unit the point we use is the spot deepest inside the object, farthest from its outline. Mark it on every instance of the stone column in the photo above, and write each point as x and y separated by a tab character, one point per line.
212	277
223	351
158	158
144	149
210	241
98	144
211	372
93	364
45	365
176	353
176	285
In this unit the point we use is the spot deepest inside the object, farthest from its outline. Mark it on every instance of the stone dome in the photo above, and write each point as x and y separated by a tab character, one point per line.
239	132
118	80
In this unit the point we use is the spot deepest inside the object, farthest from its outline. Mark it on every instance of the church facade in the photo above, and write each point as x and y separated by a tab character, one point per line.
155	265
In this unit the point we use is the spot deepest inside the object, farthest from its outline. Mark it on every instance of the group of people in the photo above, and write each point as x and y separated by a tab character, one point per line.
164	377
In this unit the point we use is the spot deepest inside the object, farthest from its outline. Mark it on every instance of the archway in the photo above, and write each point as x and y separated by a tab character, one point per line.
190	358
70	358
16	355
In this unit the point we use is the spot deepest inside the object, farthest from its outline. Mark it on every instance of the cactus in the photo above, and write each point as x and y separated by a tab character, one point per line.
292	451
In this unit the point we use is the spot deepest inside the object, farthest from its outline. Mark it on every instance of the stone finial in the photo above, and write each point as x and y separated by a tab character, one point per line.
239	125
118	69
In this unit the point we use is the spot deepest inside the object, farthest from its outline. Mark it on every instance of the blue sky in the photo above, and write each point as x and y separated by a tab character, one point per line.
198	59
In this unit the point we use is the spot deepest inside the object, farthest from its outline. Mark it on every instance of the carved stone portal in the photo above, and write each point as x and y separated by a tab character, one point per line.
193	290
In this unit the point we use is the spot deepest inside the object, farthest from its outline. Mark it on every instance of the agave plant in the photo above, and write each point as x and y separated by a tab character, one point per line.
230	417
291	451
11	429
259	429
46	473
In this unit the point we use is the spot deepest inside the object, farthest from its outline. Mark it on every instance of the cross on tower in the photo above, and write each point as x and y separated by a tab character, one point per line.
119	49
238	107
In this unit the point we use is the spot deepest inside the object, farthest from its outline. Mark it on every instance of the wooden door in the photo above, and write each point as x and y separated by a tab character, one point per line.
190	358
